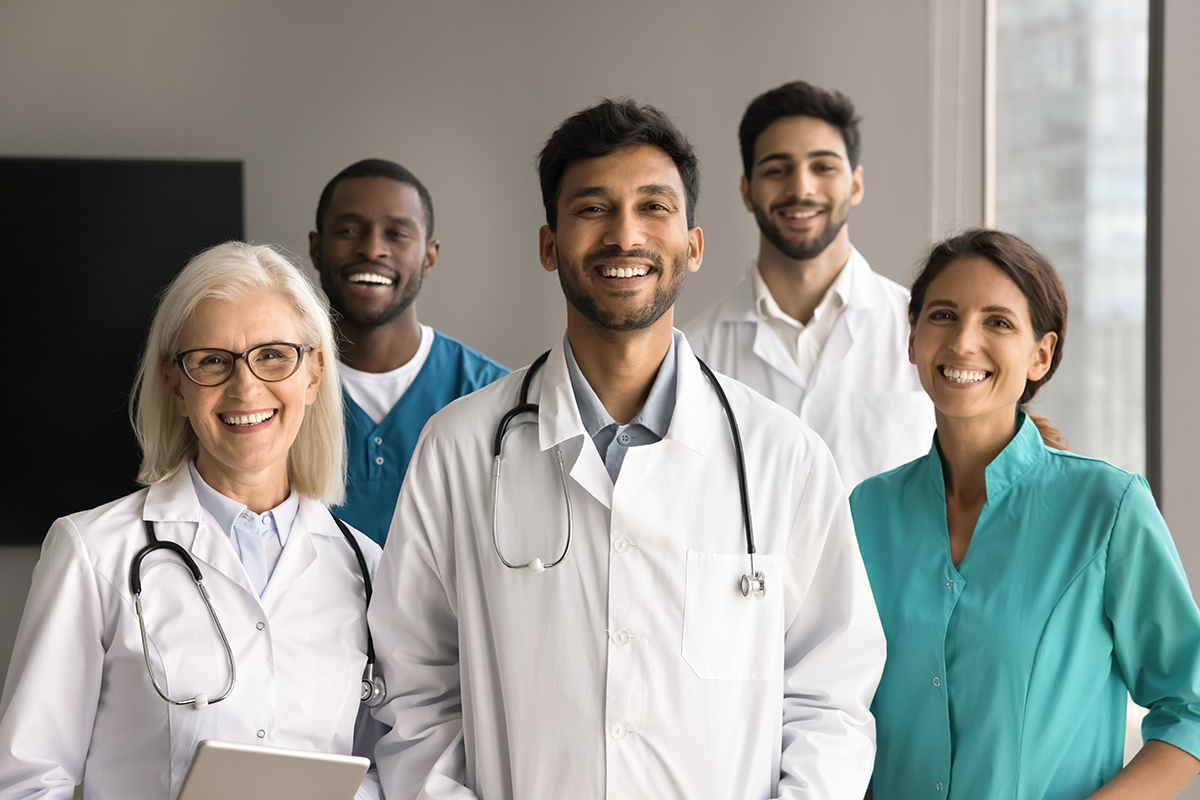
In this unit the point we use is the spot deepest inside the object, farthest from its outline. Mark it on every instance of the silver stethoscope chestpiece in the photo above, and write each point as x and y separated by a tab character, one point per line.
754	583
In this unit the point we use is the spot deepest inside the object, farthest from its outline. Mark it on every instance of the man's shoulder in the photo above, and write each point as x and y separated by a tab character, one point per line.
468	363
478	411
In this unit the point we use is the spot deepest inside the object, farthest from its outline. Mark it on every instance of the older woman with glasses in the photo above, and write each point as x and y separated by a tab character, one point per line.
121	666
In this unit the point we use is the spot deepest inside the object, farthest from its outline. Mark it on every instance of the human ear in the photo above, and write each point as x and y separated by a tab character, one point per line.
1043	355
746	201
695	249
856	186
316	369
547	248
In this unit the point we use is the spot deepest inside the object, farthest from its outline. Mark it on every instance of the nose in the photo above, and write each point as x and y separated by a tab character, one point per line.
625	230
965	338
243	379
374	245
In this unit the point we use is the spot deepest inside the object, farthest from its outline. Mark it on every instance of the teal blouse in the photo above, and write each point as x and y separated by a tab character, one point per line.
1006	676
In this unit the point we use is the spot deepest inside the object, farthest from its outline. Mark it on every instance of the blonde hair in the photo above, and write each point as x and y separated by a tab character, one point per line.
317	458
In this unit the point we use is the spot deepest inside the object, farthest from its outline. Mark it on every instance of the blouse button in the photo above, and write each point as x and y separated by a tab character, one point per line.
949	584
939	786
937	682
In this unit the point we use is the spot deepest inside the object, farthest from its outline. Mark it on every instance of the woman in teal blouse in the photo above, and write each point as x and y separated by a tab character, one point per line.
1023	589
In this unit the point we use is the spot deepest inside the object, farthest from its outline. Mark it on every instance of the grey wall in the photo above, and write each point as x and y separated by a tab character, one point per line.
1181	288
464	92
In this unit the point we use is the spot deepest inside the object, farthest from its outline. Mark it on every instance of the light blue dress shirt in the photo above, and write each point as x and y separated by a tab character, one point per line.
1006	676
650	425
259	539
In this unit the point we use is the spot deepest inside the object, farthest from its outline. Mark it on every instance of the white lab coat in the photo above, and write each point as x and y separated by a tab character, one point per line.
635	668
78	704
864	397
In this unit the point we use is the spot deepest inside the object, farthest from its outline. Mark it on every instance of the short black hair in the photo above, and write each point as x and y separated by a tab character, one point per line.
798	99
378	168
605	128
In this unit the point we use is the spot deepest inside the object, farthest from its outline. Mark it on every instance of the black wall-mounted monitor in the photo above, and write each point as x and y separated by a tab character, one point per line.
86	246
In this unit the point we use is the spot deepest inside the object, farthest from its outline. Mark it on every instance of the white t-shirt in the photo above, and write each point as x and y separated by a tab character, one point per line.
377	392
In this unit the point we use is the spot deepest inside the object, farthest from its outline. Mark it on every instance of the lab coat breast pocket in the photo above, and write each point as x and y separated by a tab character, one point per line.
890	429
727	636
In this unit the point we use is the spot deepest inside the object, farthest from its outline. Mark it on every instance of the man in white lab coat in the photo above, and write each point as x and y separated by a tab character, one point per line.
596	628
810	325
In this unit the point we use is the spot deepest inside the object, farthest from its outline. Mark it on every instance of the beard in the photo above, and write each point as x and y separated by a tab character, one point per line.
373	318
665	294
803	250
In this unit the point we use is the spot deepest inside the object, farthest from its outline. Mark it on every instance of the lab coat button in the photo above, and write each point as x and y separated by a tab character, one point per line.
260	626
261	733
621	544
619	731
621	638
378	459
378	440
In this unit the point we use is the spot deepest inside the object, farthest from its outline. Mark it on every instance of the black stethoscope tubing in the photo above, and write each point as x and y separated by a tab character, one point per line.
373	688
753	582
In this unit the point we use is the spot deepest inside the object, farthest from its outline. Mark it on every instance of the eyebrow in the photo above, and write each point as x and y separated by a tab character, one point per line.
985	309
601	191
352	216
788	157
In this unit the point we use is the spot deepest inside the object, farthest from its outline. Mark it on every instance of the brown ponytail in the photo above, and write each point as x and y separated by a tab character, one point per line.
1050	434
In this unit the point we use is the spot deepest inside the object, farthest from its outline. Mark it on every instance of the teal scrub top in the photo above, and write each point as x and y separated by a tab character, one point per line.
1006	676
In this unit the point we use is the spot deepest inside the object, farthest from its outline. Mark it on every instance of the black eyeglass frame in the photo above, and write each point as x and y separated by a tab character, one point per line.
299	348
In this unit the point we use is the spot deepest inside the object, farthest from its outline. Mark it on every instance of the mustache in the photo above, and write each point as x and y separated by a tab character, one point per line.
793	202
604	253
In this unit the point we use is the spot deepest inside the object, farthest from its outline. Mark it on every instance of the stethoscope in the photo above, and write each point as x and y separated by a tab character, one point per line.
373	691
753	583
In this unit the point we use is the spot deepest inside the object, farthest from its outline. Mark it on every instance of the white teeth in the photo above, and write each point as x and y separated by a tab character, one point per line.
800	214
625	272
963	376
247	419
369	277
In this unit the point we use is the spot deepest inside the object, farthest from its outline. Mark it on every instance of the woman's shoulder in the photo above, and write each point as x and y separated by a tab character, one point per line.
1087	477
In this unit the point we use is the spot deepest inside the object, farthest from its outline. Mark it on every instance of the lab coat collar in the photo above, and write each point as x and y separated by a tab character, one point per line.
559	421
173	503
865	293
1017	457
559	418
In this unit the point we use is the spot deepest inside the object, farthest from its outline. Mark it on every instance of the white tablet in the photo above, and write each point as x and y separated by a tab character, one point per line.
229	771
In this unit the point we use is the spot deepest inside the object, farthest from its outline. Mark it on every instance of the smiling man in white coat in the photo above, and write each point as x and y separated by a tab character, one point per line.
810	325
592	624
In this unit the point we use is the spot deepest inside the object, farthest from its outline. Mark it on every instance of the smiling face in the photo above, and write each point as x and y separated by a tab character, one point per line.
245	426
802	186
371	252
974	345
622	245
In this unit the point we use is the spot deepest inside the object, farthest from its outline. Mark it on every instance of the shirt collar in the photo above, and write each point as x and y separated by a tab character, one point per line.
226	510
1025	449
836	297
655	415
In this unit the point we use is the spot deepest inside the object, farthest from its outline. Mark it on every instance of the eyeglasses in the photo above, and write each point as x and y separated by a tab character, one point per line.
271	362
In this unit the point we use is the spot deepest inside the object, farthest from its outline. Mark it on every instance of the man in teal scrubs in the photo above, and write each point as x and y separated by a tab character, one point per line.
373	247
